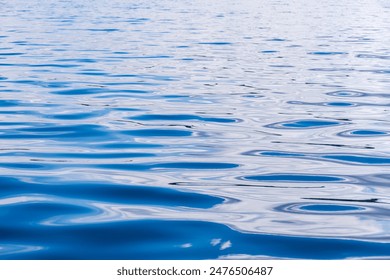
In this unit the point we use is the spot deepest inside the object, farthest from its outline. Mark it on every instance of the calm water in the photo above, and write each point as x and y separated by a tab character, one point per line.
194	129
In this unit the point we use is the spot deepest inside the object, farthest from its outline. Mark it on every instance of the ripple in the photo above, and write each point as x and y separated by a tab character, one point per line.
79	60
77	115
340	104
330	208
363	133
196	165
321	209
103	29
80	91
44	84
359	159
57	132
52	199
9	103
132	145
130	194
347	93
205	241
155	137
158	132
370	56
277	40
170	165
304	124
92	73
82	155
337	104
34	212
180	117
364	159
215	43
294	178
269	51
138	20
54	65
11	53
327	53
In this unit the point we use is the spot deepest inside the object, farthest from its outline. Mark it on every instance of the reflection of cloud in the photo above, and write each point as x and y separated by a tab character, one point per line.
186	245
370	258
226	245
215	242
22	199
249	257
9	249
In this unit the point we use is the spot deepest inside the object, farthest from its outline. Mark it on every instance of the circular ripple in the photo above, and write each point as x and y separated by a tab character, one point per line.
304	124
363	133
330	208
319	208
347	93
327	104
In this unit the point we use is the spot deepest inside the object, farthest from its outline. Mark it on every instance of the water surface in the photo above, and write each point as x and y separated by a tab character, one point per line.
193	130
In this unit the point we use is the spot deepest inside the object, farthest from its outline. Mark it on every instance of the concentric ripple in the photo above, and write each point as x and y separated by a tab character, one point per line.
304	124
364	133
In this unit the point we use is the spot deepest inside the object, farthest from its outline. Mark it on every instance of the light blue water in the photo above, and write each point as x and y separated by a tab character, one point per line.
194	129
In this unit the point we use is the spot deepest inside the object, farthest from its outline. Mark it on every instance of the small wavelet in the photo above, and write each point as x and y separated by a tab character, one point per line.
52	199
340	104
11	53
363	133
9	103
364	159
218	43
131	145
80	155
158	132
80	91
169	165
304	124
370	56
277	40
321	209
269	51
359	159
347	93
327	53
77	115
330	208
181	117
55	132
294	178
103	29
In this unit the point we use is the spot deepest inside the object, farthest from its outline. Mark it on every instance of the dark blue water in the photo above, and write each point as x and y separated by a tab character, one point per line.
194	129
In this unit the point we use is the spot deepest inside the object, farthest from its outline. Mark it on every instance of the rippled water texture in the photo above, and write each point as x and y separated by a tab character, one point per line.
194	129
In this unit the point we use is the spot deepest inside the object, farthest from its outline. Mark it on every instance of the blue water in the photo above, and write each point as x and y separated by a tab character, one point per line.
195	129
